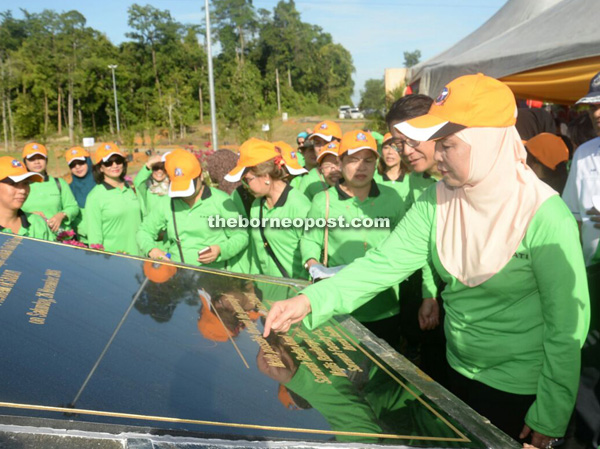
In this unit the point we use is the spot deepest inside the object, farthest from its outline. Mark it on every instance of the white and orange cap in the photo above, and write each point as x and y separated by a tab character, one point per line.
182	167
470	101
33	148
76	154
252	152
105	151
332	148
290	158
16	171
357	140
327	130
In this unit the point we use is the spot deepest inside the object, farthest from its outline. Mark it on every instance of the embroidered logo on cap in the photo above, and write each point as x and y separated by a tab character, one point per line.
107	147
361	136
73	151
16	164
323	126
178	172
442	97
293	154
35	147
331	145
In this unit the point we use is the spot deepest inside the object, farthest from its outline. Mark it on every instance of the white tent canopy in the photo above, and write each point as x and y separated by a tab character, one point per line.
523	35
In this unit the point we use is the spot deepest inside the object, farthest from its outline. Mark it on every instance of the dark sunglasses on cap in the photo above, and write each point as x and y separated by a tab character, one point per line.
113	160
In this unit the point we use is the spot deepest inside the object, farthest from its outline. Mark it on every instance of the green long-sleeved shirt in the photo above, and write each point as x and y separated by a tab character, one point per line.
520	331
311	183
32	225
284	241
193	228
46	198
112	218
241	262
345	244
148	200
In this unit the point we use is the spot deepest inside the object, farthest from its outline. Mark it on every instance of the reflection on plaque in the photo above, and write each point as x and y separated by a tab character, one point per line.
92	337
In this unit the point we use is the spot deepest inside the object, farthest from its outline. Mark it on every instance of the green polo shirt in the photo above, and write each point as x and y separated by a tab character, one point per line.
285	241
520	331
241	262
148	200
347	244
400	185
193	228
34	226
419	182
113	217
45	197
311	183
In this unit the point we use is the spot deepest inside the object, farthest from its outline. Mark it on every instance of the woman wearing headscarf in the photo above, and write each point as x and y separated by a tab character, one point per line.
82	183
517	306
51	199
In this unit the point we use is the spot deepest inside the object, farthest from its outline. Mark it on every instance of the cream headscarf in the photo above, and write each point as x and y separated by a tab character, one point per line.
480	225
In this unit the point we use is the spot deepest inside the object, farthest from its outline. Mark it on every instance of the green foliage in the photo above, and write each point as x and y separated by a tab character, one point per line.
411	58
54	75
373	95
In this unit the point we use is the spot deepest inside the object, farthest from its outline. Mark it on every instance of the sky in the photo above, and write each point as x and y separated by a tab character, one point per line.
376	32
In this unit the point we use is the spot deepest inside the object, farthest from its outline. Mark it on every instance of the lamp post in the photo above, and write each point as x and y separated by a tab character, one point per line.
112	67
211	83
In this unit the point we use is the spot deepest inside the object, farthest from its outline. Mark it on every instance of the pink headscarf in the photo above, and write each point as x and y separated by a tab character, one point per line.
481	224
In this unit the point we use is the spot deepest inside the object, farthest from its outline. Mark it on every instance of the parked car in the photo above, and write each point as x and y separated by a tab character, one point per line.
344	112
355	114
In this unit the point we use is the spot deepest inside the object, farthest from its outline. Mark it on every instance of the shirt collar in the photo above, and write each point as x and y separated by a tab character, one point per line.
206	193
283	197
373	192
107	186
385	177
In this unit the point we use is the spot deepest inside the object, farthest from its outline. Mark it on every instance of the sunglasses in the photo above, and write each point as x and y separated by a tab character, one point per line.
157	167
110	162
77	164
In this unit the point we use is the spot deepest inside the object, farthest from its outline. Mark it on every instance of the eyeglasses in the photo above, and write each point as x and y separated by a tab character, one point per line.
110	162
401	142
248	180
393	146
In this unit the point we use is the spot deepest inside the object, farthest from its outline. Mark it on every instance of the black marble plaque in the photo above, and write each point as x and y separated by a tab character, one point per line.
95	337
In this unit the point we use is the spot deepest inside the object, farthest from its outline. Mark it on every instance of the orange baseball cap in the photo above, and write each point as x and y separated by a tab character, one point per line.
549	149
290	157
33	148
354	141
76	154
386	138
105	150
332	148
470	101
182	167
158	272
15	170
209	324
327	130
252	152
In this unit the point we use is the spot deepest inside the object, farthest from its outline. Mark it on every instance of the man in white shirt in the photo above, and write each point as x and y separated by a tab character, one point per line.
582	191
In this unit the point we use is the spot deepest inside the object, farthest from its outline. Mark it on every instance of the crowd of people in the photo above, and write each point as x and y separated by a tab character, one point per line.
479	274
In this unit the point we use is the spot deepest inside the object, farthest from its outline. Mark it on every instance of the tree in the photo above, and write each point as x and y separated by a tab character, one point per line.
411	58
236	24
373	95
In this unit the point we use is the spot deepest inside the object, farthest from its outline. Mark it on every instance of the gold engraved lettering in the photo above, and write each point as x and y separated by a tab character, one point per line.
315	348
8	279
342	341
349	362
320	377
271	355
45	298
335	369
7	248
